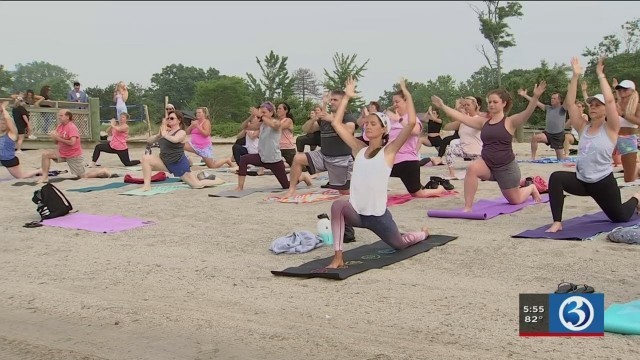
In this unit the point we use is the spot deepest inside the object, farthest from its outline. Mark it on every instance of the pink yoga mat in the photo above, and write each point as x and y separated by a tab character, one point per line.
484	209
97	223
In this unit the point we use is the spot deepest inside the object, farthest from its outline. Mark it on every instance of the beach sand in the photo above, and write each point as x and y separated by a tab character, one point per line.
197	285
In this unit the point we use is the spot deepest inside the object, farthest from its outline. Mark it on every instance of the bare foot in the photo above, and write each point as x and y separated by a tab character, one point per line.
336	263
229	163
146	188
555	227
466	209
288	194
425	230
306	178
441	190
238	188
535	194
43	180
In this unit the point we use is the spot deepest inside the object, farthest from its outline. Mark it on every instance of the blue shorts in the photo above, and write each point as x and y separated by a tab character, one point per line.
179	168
627	144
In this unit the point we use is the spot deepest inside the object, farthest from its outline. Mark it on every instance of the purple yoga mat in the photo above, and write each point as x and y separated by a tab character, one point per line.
484	209
579	228
97	223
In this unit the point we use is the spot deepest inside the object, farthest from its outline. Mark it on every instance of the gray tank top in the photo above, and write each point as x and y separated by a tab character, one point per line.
170	152
269	144
594	155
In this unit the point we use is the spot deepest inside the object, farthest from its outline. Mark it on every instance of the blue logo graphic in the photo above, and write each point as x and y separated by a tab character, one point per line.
578	314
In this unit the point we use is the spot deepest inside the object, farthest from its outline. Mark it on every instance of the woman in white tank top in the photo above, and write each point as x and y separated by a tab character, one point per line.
367	206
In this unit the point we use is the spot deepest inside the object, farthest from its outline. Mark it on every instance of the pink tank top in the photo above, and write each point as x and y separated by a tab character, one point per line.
119	140
286	140
200	140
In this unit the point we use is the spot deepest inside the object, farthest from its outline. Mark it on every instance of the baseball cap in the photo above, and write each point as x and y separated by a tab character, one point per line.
598	97
385	121
626	84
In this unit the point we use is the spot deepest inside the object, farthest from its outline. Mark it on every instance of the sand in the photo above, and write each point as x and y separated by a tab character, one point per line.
197	285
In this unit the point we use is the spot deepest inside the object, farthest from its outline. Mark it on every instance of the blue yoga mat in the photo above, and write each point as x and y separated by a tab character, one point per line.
550	160
117	185
623	318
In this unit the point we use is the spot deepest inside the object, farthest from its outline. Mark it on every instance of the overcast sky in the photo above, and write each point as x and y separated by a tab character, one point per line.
110	41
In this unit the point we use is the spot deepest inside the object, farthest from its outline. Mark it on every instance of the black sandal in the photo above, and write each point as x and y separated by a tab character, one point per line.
33	224
566	287
583	289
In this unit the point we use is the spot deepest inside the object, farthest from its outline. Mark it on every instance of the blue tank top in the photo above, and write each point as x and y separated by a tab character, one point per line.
594	155
7	147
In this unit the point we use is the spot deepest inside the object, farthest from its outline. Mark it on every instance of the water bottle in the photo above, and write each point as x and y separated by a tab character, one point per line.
324	229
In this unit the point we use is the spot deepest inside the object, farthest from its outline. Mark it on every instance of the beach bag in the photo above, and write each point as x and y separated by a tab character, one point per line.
51	202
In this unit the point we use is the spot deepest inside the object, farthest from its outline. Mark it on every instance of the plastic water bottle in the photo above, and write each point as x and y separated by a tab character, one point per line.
324	229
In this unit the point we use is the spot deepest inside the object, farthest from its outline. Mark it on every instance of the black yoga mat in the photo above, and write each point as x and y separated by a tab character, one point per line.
363	258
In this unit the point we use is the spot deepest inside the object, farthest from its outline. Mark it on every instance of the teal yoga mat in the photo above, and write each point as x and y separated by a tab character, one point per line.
117	185
155	190
623	318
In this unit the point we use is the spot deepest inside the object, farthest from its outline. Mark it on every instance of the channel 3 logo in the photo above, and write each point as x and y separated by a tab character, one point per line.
577	315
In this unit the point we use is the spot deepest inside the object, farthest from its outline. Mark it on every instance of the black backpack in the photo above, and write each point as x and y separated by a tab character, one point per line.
51	202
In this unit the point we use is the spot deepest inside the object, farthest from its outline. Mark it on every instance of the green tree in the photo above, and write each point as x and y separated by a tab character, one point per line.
345	66
480	83
178	82
609	46
6	82
494	28
622	66
275	82
556	78
305	85
228	98
419	92
138	95
631	35
36	74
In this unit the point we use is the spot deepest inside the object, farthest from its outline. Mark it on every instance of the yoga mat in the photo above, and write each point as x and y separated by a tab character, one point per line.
398	199
623	318
363	258
245	192
117	185
622	183
33	183
96	223
155	190
131	168
579	228
306	198
550	160
484	209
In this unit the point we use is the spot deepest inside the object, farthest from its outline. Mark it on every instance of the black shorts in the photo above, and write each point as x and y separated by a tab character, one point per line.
435	141
409	174
21	129
555	141
10	163
288	155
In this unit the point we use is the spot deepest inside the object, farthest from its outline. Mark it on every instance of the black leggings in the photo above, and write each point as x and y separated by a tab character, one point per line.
313	140
238	150
605	192
445	142
122	154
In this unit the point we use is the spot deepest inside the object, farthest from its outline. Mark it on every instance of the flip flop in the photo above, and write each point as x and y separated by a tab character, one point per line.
33	224
583	289
566	287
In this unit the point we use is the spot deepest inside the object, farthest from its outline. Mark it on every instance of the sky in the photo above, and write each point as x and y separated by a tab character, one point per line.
105	42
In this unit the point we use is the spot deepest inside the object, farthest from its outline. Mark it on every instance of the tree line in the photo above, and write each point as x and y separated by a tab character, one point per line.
228	97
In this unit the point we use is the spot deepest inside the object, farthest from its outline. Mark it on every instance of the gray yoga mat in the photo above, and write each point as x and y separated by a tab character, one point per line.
363	258
245	192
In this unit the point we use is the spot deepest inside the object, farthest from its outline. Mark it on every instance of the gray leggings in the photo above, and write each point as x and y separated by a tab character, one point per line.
342	214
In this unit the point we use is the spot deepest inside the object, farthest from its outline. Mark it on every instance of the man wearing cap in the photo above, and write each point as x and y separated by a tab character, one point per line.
77	95
553	134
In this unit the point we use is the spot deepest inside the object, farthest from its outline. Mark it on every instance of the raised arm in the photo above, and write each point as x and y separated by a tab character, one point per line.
575	117
613	123
11	125
455	115
523	93
584	87
405	133
345	133
522	117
